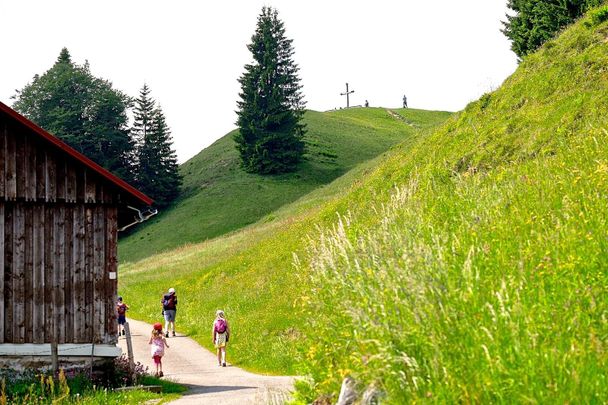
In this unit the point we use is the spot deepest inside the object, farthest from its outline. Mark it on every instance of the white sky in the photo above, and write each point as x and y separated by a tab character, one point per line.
440	53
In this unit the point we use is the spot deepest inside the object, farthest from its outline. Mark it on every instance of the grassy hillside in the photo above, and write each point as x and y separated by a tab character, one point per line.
469	265
218	197
472	266
249	272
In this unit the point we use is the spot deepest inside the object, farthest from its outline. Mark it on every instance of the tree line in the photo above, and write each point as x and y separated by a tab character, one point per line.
93	117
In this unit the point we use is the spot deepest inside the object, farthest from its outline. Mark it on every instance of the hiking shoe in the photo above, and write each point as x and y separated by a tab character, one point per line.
223	364
173	333
123	332
160	374
167	334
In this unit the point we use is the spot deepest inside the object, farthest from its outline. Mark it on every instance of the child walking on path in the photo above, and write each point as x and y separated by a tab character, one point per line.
121	310
220	335
158	342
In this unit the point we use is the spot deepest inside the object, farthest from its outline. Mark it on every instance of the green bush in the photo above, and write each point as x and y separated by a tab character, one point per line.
599	16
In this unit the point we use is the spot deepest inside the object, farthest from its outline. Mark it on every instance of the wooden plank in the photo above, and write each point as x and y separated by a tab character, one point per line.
38	319
90	187
28	271
11	167
61	180
88	265
2	243
30	169
20	164
111	267
59	273
68	281
106	194
40	172
72	180
19	274
78	279
99	297
81	179
3	135
49	274
51	177
8	273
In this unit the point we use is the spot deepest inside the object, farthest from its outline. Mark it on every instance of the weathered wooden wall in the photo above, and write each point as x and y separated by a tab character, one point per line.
54	267
58	243
33	170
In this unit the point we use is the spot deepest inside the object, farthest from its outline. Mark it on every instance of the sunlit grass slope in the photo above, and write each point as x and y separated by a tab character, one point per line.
249	273
468	266
218	197
473	266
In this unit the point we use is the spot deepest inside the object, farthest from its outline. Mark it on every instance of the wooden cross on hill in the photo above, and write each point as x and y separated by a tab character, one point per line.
347	94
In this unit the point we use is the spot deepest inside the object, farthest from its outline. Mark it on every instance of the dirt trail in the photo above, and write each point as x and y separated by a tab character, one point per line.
402	118
190	364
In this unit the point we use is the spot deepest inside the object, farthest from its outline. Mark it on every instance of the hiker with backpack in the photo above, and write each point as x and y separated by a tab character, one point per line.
121	310
169	302
220	335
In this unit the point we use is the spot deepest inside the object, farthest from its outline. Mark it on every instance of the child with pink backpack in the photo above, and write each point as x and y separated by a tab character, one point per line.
157	348
220	335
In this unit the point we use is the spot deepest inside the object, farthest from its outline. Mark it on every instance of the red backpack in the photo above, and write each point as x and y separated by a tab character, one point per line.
220	326
121	309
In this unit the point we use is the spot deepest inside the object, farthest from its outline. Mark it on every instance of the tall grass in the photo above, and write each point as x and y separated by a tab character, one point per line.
480	276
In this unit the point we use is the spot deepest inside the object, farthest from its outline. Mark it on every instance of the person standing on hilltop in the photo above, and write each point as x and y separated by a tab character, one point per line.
220	335
169	303
404	101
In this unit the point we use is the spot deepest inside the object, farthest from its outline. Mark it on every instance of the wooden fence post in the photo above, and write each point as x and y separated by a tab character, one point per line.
130	349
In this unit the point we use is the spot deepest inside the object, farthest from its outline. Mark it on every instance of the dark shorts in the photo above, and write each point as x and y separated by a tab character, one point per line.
122	319
170	315
156	359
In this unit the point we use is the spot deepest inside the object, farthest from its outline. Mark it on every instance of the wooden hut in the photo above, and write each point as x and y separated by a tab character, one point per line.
59	216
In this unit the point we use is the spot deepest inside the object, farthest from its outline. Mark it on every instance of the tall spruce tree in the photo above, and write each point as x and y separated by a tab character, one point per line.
83	110
271	108
534	22
157	170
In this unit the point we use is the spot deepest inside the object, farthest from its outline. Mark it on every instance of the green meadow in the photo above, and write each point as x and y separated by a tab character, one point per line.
219	197
467	264
249	273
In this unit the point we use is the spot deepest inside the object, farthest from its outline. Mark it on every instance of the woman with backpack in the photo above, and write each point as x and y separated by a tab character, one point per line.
220	335
169	302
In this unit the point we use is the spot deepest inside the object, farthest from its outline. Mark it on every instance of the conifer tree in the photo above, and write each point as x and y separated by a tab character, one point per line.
143	112
271	108
83	110
157	169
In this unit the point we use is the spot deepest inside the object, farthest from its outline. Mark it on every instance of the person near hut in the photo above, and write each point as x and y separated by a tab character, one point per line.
220	335
121	310
169	303
157	348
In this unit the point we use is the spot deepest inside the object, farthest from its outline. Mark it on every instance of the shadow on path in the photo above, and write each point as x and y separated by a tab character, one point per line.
202	389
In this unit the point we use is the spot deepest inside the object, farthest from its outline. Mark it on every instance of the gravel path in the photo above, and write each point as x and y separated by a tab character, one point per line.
188	363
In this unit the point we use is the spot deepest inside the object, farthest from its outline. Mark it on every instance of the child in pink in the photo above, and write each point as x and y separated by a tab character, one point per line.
158	342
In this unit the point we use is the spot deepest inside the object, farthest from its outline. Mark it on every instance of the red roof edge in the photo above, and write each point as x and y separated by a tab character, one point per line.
76	155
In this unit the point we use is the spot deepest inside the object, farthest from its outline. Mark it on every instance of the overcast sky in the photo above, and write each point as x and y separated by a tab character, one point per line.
441	53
